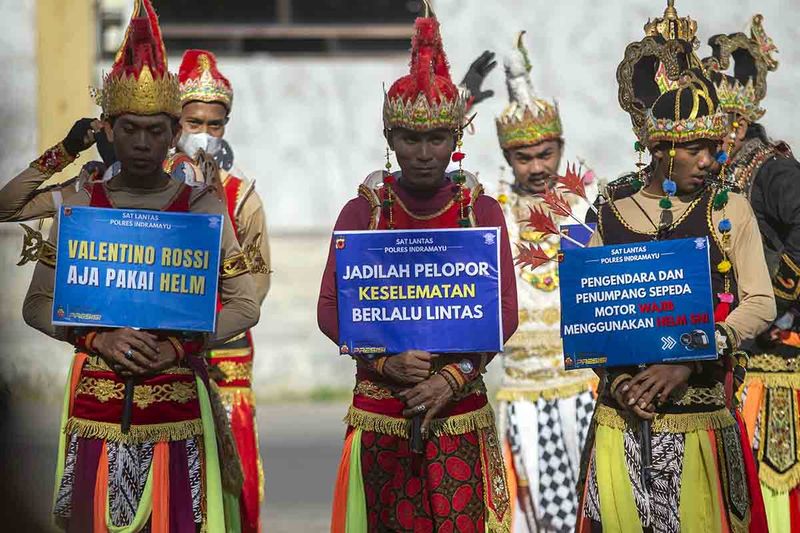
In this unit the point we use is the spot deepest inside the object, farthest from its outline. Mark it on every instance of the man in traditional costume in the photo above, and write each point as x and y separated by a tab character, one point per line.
544	410
164	473
206	101
459	482
768	174
701	475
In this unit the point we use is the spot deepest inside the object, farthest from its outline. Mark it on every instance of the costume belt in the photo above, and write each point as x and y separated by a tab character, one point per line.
165	407
377	408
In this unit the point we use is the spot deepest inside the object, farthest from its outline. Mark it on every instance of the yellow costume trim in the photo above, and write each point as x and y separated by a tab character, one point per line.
566	391
234	370
229	352
95	363
704	396
138	434
253	258
499	514
143	395
780	483
234	266
381	391
232	396
400	427
372	390
534	343
773	363
775	379
667	423
549	316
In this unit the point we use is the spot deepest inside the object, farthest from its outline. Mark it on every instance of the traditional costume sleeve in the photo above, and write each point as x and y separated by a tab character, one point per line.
254	241
21	199
354	216
240	310
756	309
38	306
776	195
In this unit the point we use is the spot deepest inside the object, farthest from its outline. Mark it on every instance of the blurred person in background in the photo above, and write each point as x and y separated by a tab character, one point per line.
206	104
544	411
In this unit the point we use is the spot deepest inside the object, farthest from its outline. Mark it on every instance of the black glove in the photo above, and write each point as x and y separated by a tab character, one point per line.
80	137
478	70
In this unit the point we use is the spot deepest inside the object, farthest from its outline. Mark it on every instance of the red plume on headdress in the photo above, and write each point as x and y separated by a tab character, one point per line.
201	79
140	82
193	65
142	44
430	72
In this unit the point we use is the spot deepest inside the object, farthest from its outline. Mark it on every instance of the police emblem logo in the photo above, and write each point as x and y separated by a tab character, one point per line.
340	243
344	350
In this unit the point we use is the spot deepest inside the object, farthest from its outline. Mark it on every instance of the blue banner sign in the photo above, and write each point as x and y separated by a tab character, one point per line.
638	303
137	269
434	290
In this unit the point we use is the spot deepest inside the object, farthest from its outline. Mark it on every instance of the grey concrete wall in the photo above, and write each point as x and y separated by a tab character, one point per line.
17	85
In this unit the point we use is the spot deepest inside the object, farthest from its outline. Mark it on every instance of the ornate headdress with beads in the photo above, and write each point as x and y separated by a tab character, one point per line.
201	80
742	93
688	110
139	82
426	98
527	120
669	43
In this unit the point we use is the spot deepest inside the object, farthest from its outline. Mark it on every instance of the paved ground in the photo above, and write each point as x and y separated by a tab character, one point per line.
300	443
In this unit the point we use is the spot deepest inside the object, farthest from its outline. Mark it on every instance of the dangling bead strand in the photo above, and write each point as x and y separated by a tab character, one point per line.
462	196
719	204
669	187
388	181
638	181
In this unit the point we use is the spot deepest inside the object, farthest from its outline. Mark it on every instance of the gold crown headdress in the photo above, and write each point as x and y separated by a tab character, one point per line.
742	93
669	41
139	82
671	27
687	110
527	120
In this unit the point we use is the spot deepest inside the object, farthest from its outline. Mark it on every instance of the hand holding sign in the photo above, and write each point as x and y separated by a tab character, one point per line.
127	351
654	384
428	397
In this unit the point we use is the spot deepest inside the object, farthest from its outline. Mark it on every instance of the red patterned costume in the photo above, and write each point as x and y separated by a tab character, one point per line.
458	483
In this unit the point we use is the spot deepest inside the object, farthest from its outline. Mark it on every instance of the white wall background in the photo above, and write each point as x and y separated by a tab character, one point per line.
308	129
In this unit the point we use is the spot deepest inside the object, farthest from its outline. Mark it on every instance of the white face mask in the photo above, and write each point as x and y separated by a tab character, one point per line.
190	143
